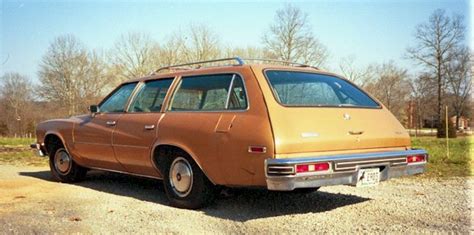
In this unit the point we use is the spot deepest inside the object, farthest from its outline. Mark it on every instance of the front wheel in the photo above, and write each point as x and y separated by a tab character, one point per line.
63	168
185	184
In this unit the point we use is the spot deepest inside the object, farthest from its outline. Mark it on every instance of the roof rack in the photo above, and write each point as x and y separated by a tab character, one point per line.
237	59
240	61
289	63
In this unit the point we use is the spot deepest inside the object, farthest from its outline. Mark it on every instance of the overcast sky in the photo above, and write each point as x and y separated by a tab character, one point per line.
372	31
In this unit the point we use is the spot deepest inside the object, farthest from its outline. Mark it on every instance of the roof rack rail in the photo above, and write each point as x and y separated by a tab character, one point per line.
285	62
240	61
237	59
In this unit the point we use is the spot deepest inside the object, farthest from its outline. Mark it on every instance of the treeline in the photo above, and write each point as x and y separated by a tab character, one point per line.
71	76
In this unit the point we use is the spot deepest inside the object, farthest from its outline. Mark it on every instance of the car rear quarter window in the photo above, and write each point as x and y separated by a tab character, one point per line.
210	93
293	88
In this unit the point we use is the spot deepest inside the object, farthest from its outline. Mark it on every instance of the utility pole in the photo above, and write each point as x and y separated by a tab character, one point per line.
447	132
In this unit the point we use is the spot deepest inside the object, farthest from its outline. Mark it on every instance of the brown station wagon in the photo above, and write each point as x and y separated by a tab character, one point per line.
284	127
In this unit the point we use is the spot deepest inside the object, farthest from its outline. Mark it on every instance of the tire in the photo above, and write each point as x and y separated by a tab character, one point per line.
63	168
185	184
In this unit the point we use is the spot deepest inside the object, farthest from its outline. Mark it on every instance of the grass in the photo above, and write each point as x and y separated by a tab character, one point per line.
15	151
22	158
460	161
5	141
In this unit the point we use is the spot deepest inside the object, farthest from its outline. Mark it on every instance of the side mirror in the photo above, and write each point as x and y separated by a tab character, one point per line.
94	109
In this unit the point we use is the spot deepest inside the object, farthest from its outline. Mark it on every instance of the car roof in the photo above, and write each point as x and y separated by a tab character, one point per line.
220	69
185	70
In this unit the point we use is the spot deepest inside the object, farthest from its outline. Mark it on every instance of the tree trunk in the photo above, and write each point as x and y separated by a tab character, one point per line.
439	95
457	120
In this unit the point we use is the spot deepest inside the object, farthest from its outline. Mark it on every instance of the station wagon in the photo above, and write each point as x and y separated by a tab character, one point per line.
235	123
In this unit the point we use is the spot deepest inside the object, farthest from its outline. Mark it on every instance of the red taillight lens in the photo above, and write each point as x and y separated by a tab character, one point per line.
322	166
301	168
257	149
416	158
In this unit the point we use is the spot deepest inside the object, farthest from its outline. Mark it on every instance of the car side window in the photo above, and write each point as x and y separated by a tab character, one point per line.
238	97
209	93
118	100
151	96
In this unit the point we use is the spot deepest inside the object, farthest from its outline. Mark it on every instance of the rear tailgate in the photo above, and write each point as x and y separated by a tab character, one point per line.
300	130
329	129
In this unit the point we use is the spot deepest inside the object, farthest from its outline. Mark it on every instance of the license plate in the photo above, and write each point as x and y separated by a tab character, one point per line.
368	177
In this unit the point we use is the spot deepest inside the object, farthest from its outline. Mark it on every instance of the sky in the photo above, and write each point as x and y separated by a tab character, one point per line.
374	31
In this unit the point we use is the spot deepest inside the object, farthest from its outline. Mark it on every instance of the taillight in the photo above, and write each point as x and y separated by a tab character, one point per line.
257	149
416	158
322	166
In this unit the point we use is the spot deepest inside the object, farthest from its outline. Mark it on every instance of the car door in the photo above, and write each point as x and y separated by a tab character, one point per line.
93	135
136	130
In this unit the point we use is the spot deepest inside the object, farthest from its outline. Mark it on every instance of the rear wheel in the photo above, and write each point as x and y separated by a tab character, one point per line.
63	168
185	184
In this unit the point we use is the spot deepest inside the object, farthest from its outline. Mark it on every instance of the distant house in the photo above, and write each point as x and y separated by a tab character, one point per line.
413	121
464	122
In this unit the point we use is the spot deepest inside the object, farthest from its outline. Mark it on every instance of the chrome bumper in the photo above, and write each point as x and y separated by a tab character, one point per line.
39	150
281	174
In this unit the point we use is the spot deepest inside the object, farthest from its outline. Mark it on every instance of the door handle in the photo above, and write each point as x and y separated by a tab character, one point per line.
356	132
111	123
149	127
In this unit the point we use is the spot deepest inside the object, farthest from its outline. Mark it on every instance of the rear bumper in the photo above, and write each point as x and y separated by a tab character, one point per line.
281	175
38	149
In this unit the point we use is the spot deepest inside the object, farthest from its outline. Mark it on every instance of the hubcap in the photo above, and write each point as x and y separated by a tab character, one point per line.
181	177
62	161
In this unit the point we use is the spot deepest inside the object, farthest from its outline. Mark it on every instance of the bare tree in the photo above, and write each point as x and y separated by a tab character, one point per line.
16	92
391	87
291	39
171	51
199	44
248	52
425	107
436	39
353	73
134	55
71	76
459	78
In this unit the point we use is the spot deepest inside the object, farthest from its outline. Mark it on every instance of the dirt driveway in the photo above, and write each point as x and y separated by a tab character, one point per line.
31	203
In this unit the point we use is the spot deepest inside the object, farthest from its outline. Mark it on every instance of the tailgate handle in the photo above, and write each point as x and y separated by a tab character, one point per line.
356	132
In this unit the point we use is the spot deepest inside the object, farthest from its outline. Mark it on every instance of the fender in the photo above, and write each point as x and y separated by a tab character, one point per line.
185	149
66	144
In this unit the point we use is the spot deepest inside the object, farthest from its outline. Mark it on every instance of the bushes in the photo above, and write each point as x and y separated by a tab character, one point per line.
442	130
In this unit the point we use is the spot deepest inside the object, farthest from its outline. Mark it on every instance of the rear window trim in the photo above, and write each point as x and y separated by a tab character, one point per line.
275	96
178	84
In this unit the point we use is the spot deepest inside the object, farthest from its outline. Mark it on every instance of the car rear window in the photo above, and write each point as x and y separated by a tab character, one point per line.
311	89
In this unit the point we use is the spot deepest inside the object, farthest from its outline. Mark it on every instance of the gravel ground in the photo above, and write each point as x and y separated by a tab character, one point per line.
111	203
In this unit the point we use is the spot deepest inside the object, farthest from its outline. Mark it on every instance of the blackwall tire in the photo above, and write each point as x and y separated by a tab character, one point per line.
63	168
186	186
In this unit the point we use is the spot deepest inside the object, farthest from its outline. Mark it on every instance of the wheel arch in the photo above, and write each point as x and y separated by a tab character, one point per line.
155	153
53	136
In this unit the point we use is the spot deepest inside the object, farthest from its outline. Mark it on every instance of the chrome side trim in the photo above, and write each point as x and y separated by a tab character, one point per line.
124	172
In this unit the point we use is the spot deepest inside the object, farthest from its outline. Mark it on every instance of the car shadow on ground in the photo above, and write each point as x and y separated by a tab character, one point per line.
237	204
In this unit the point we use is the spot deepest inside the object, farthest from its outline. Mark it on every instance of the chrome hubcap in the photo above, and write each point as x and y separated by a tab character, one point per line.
62	161
181	177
